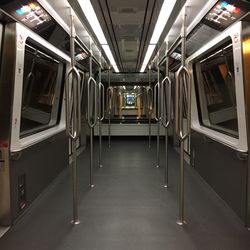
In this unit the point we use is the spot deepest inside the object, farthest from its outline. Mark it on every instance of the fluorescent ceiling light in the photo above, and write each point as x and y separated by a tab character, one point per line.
149	53
110	56
163	17
89	12
165	12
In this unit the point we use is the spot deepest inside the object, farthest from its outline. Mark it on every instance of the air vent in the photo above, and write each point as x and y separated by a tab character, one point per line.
127	10
129	26
129	50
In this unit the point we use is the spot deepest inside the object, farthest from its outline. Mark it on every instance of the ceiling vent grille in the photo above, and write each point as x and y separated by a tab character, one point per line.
127	10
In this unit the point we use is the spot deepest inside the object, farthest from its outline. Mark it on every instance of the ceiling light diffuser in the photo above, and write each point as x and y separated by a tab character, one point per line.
90	14
149	53
166	9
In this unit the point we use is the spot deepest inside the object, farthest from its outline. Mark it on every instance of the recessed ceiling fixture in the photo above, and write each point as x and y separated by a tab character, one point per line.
90	14
165	12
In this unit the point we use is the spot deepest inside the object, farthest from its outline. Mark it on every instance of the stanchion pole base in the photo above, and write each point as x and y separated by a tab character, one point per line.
166	186
75	222
157	166
92	185
101	166
181	222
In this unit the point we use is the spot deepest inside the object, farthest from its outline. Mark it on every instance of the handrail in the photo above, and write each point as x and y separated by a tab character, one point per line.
90	122
166	82
110	94
73	131
183	82
184	72
149	102
101	95
157	117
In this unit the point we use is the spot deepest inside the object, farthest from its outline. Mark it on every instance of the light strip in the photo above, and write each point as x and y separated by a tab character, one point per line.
163	17
149	53
165	12
110	56
90	14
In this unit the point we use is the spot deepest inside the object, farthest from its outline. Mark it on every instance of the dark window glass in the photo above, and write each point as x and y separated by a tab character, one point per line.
42	81
215	83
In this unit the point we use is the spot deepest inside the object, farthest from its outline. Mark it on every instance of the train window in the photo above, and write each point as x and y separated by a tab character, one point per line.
215	82
41	91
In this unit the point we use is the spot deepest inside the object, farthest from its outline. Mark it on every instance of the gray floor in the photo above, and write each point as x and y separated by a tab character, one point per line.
128	209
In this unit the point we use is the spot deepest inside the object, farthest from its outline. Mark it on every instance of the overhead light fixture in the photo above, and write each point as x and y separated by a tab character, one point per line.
149	52
90	14
110	57
163	17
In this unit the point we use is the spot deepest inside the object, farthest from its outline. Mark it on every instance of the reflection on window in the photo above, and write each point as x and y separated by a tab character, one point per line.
41	91
216	88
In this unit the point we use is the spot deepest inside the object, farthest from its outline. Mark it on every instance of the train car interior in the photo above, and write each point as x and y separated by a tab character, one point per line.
124	125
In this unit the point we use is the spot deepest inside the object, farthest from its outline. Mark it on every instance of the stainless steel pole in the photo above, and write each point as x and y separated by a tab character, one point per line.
158	146
109	126
91	159
92	116
149	111
183	77
158	121
167	110
73	125
100	116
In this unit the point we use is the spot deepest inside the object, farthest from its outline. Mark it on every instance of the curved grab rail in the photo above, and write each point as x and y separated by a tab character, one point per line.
183	71
73	131
110	94
91	122
149	100
157	86
166	82
102	101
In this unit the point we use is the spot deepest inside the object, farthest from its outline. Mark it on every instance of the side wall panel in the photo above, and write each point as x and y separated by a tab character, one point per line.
222	169
40	164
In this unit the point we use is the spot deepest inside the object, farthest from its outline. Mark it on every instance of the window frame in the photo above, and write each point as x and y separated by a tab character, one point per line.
239	144
205	116
19	143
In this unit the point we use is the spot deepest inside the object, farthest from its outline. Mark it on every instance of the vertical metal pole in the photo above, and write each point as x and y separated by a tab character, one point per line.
158	121
149	112
100	145
109	128
91	159
181	220
75	219
158	146
91	181
166	159
166	185
100	116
